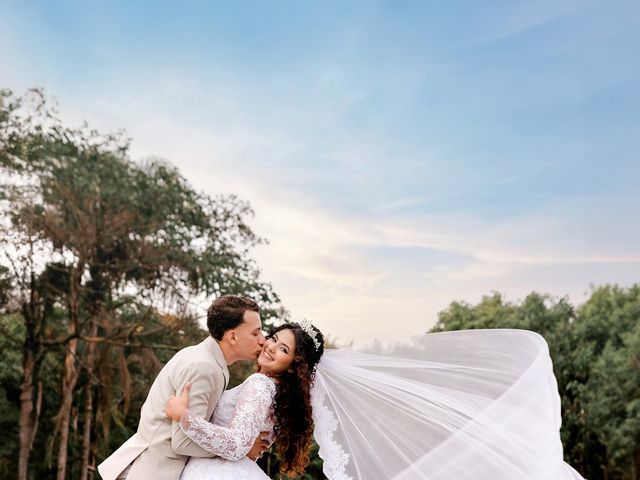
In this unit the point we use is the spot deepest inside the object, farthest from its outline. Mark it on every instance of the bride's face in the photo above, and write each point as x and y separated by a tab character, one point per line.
278	352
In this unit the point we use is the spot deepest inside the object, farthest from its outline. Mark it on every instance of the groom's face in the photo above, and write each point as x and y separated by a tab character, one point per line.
249	337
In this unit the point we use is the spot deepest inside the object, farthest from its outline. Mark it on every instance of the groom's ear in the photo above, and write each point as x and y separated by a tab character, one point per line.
232	337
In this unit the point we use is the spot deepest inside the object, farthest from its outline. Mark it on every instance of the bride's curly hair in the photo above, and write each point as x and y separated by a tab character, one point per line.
292	402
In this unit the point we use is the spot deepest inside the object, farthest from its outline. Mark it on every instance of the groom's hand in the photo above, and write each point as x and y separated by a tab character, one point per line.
259	446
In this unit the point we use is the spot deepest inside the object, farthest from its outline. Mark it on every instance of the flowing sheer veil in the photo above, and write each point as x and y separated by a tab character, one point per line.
473	404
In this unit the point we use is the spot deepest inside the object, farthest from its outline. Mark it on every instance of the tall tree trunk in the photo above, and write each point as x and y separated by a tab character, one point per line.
88	406
64	414
29	409
70	377
30	401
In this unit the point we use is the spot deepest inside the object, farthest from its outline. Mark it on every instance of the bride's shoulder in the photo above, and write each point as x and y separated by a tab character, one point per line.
260	380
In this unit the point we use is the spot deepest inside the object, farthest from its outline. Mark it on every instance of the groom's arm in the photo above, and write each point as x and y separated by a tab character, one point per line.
205	386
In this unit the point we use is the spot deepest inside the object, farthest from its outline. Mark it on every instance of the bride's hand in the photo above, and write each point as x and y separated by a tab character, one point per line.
176	406
261	444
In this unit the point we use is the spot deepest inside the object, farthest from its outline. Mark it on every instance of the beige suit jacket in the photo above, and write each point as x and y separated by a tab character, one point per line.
159	449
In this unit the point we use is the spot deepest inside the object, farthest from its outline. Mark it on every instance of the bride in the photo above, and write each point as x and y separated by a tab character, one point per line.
276	400
472	404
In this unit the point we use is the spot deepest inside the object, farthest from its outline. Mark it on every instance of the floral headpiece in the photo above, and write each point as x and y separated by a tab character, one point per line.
309	330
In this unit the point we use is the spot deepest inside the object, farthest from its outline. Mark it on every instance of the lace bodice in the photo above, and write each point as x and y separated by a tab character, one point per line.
240	415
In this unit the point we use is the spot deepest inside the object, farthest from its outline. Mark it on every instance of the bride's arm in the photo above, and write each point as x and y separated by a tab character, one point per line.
235	441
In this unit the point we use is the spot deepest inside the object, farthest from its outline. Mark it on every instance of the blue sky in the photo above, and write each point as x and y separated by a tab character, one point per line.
398	155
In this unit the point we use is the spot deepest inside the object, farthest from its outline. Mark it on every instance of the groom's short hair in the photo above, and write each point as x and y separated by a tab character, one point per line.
227	312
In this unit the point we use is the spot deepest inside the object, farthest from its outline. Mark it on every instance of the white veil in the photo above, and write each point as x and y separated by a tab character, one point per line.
473	404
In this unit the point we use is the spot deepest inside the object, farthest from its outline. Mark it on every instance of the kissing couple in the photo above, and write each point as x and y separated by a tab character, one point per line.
460	405
220	433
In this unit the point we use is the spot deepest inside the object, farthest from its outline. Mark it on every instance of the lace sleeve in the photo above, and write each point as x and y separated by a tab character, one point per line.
235	441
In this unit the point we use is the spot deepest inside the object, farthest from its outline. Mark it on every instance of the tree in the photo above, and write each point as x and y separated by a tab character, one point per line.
610	331
112	243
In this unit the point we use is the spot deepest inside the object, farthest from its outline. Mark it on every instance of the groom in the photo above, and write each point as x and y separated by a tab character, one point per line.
159	449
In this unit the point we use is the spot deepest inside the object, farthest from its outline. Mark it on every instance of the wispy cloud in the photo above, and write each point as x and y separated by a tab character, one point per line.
515	18
328	265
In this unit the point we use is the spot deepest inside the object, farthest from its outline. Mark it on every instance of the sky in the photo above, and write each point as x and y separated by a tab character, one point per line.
399	156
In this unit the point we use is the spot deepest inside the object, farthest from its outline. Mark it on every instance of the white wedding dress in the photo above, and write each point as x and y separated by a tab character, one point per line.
239	417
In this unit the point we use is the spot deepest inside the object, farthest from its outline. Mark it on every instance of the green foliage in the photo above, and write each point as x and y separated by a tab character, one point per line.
10	376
